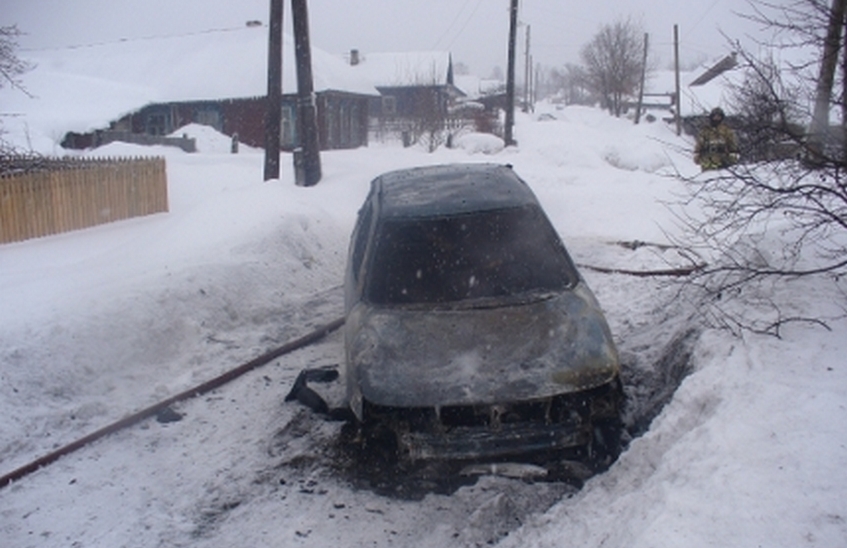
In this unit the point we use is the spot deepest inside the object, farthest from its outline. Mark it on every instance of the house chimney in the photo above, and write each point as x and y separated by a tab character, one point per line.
354	57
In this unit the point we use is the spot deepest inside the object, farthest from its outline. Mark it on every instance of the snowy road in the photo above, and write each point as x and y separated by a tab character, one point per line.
242	464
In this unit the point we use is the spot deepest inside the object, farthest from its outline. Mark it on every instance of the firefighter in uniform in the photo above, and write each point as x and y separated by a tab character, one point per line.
716	147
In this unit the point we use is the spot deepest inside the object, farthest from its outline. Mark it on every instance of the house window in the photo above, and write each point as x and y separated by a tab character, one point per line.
389	105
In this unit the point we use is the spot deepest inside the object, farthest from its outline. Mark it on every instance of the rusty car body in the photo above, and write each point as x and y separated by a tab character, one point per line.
469	332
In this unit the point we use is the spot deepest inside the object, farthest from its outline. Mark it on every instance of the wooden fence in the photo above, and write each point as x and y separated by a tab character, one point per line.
39	197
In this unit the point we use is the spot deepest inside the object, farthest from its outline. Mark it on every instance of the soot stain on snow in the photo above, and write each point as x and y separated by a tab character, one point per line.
375	468
167	415
211	516
310	446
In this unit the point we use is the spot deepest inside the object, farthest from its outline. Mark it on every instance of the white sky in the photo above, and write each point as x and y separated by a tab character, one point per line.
475	31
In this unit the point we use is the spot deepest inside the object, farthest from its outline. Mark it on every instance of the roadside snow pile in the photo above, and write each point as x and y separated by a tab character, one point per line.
484	143
211	141
742	456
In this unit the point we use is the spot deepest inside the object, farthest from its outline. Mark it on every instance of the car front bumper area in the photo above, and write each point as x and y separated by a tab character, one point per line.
506	440
498	431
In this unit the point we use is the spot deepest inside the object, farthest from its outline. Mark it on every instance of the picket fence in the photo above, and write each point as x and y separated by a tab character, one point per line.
40	197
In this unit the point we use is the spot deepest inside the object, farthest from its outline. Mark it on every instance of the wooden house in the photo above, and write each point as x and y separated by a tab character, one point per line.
411	85
221	82
342	119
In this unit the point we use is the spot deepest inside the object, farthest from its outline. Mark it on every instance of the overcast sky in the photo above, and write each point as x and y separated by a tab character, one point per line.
475	31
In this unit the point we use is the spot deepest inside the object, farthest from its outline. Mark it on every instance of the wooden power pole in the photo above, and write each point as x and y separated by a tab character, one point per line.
823	93
306	109
643	78
510	75
527	72
273	109
678	98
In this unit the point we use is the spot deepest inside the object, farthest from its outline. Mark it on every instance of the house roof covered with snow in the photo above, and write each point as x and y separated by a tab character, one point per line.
696	99
417	68
219	65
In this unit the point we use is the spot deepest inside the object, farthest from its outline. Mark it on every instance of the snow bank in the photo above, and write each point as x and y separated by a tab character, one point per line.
484	143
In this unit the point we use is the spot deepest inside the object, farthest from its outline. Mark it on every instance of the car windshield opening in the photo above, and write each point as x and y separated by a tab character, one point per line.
469	256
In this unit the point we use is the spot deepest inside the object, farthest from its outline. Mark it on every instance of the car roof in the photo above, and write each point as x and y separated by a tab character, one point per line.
452	189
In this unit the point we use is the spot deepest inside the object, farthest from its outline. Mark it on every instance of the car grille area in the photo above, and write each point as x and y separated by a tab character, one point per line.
496	430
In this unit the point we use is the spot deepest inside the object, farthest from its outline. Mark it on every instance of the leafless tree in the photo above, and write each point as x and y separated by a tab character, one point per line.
613	63
429	119
572	84
12	68
766	110
778	219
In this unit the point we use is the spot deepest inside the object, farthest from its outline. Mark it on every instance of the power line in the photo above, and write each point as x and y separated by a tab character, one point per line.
151	37
468	20
703	16
450	26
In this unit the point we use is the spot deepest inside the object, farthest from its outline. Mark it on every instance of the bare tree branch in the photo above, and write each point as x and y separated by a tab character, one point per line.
11	66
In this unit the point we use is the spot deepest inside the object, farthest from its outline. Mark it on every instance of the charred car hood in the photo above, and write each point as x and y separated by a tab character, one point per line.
415	357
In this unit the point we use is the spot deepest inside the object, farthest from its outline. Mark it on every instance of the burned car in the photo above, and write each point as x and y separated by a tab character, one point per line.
469	333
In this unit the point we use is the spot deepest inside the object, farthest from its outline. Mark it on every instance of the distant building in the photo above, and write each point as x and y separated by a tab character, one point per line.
411	84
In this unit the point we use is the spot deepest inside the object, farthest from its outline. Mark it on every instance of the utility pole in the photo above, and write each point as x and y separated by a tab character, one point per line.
531	85
820	119
844	94
678	101
273	108
510	75
643	77
536	82
306	111
527	72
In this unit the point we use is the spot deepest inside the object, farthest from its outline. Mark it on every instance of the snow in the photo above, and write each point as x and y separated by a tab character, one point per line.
483	143
750	450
